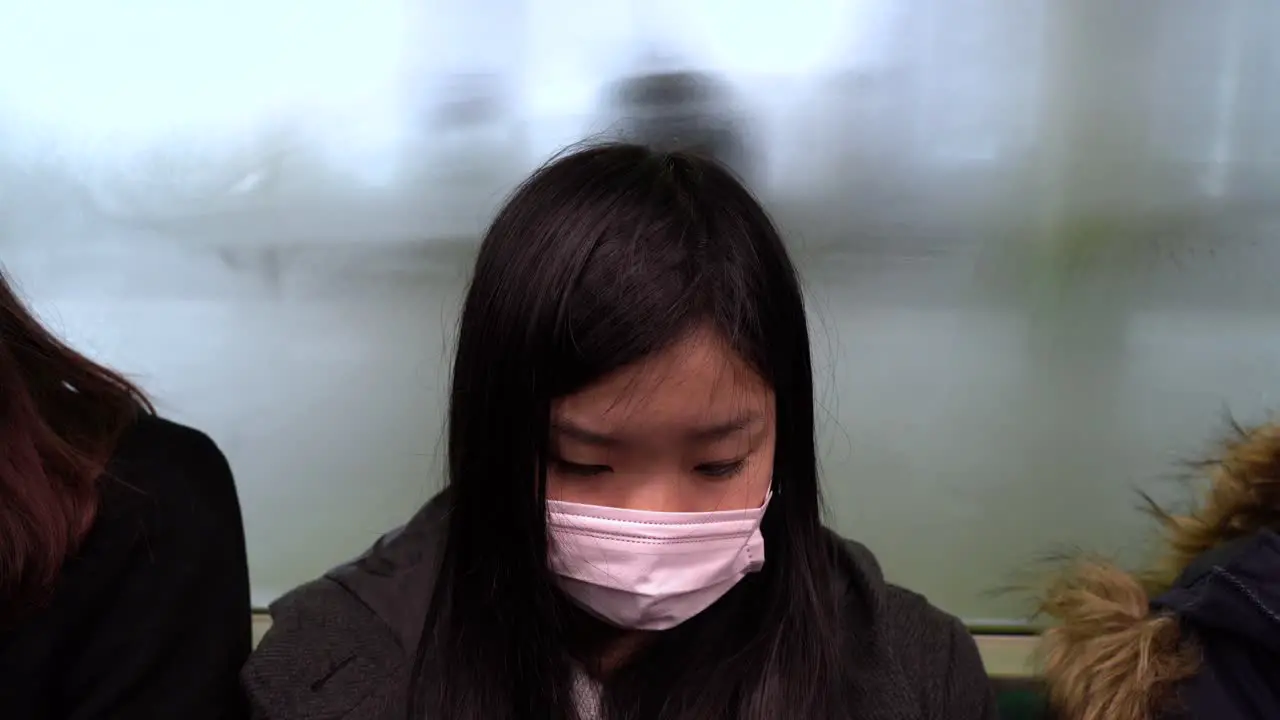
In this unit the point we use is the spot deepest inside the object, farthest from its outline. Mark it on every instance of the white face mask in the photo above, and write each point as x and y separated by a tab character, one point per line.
649	570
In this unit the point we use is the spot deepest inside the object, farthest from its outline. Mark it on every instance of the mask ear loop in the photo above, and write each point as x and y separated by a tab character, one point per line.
772	493
769	495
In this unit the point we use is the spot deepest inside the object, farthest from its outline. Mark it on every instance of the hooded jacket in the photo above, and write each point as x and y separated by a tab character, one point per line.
342	647
1198	638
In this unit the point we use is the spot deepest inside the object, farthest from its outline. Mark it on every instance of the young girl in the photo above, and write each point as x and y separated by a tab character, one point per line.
1197	638
632	524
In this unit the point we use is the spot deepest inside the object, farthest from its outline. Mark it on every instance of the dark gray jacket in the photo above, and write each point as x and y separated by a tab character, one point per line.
342	647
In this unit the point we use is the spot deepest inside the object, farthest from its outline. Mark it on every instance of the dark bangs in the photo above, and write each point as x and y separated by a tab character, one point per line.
663	259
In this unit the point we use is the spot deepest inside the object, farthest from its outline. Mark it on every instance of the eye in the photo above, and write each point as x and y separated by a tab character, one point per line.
722	469
580	470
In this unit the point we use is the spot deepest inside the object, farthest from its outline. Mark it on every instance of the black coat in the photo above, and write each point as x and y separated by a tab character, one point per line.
151	618
1228	601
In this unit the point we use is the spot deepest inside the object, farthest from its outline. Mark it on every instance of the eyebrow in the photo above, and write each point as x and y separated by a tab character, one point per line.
704	433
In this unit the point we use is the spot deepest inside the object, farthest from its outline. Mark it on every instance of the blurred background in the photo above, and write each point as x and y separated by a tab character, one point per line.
1039	236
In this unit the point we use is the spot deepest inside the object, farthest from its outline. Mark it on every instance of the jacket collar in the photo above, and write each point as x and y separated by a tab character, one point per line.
1233	588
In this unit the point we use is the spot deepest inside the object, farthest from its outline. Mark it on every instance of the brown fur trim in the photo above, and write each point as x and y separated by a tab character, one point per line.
1244	497
1108	658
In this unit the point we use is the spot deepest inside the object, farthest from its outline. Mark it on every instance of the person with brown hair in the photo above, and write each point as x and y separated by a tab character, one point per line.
1196	638
124	587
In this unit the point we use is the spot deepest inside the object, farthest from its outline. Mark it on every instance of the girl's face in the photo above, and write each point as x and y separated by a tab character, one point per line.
691	429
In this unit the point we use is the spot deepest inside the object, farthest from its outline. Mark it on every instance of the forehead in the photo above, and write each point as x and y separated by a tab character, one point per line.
693	383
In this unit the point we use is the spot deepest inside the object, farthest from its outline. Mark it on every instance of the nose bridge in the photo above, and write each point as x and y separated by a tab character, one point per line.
660	489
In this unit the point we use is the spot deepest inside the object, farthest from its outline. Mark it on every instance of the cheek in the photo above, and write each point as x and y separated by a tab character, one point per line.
556	488
758	476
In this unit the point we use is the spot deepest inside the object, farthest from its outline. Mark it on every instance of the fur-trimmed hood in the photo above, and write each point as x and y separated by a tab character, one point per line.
1198	636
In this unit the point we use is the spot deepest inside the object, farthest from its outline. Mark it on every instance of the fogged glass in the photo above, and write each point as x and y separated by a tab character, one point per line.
1037	235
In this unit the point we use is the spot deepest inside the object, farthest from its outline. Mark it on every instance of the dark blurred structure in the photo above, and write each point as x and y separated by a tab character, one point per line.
682	110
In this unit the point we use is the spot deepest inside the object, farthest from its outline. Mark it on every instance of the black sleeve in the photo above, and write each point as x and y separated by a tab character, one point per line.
940	659
966	689
169	637
327	655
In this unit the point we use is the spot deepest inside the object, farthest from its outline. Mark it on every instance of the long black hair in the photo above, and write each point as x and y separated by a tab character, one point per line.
601	258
